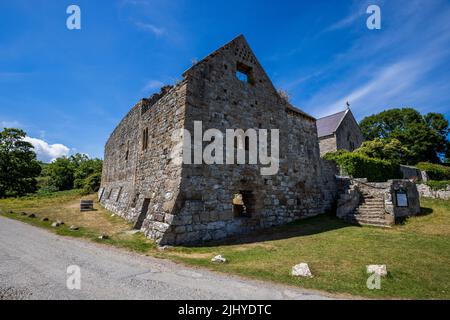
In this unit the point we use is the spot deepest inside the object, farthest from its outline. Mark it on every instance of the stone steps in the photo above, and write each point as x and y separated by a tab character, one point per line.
368	216
371	210
377	222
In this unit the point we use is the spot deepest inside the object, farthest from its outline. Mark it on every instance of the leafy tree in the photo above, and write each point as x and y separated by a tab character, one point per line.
77	171
425	136
386	149
61	173
18	165
85	169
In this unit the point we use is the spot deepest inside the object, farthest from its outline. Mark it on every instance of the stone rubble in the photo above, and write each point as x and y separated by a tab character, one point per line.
301	270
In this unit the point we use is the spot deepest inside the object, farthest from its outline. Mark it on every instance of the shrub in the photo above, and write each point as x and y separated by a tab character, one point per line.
438	185
92	183
434	171
359	165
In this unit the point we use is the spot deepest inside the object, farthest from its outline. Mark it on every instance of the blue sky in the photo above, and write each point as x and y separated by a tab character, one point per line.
68	89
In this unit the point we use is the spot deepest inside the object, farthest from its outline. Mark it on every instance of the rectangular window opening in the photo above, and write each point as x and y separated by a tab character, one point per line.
244	73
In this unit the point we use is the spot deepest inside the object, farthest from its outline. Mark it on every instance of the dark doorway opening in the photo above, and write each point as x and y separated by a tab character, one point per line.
143	214
244	204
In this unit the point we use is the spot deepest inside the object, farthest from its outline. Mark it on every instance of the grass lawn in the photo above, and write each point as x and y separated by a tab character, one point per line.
417	252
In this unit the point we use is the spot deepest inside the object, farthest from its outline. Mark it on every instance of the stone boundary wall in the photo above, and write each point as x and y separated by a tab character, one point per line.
426	192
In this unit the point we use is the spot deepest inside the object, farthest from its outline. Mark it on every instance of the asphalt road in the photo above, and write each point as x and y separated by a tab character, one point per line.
33	265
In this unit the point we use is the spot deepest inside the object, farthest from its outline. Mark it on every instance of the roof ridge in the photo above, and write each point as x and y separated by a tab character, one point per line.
333	114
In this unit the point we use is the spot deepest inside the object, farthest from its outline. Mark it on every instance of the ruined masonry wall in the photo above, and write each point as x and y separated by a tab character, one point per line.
193	203
147	173
301	188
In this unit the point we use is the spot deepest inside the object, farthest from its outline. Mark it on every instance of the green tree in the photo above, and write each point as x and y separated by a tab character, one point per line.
61	173
18	165
425	136
77	171
386	149
85	169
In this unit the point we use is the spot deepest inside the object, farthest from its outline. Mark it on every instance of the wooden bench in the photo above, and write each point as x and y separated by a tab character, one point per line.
86	205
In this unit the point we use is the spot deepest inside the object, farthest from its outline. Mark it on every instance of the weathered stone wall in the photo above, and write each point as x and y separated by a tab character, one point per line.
133	173
190	203
221	101
327	144
348	135
426	191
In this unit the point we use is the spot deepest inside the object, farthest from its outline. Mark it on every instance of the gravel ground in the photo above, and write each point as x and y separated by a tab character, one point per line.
33	265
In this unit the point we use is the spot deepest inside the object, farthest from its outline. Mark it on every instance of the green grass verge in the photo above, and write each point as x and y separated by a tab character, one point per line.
417	252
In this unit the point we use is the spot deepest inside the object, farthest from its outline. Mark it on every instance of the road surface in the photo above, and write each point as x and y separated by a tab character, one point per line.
34	261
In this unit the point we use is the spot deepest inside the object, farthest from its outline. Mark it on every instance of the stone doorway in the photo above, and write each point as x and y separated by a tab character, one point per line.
244	204
142	215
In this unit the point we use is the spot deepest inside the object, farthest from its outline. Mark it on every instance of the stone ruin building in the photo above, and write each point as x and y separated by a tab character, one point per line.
146	181
177	203
339	131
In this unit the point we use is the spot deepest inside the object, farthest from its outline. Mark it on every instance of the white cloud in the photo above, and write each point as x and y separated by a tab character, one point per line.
152	85
10	124
157	31
47	152
393	70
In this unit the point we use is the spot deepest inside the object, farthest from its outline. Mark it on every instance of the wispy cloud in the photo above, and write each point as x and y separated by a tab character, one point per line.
148	27
47	152
394	71
152	85
10	124
357	12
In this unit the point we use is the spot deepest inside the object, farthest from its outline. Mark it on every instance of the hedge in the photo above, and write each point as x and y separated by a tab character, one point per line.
434	171
438	185
361	166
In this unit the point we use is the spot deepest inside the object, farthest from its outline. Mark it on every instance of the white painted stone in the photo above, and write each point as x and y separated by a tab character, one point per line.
378	269
301	270
219	259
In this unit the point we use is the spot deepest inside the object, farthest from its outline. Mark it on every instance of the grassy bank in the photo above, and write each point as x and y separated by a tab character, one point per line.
417	252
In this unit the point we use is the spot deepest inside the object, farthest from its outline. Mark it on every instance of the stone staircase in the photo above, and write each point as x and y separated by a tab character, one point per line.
370	212
367	209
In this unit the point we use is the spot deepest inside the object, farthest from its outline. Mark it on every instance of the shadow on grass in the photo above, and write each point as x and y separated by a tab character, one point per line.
423	212
305	227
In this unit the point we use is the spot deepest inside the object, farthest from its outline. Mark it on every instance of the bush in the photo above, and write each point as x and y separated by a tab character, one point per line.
438	185
359	165
434	171
92	183
77	171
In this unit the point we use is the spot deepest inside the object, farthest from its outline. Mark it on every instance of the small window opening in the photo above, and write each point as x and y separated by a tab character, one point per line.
244	73
145	139
243	204
118	194
128	151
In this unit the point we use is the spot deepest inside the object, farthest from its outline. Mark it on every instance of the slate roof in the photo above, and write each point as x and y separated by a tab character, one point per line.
329	124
